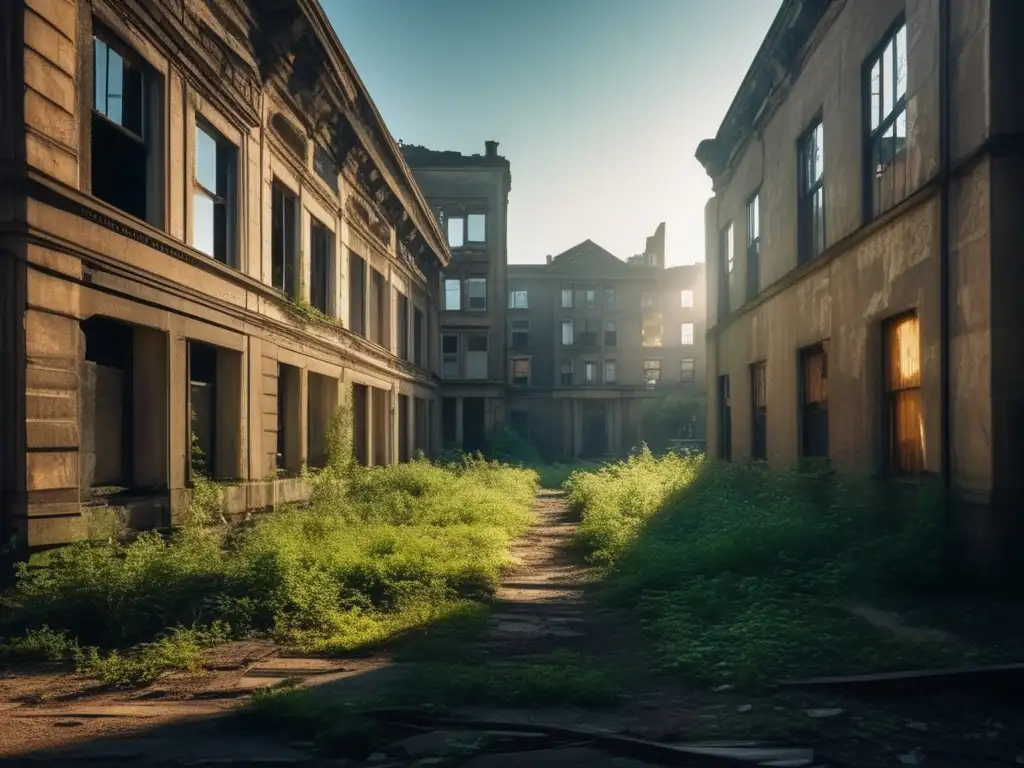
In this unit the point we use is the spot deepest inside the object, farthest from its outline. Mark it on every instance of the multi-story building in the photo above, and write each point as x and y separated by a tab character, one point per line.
593	340
207	237
469	196
863	251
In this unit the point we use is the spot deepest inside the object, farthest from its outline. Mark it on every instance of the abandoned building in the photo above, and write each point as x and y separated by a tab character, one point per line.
595	342
208	239
469	197
863	251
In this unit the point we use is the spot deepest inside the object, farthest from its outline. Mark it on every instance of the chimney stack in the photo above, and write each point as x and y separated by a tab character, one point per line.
491	148
549	258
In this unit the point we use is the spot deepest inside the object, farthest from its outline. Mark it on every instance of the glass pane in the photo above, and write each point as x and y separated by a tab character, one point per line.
455	234
901	63
206	159
687	333
202	223
477	225
450	344
115	86
819	152
888	68
99	64
819	221
876	95
566	297
901	131
452	296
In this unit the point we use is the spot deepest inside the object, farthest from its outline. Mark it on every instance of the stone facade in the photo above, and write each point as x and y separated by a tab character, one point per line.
203	220
862	252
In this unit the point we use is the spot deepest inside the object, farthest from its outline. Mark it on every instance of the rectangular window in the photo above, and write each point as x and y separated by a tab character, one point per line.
754	246
724	268
590	372
686	298
476	228
476	356
609	297
814	402
476	288
356	294
521	371
730	248
567	338
590	298
588	334
609	371
610	336
456	232
213	195
284	249
449	356
686	334
567	298
811	205
379	308
418	349
652	329
887	132
402	321
452	294
724	419
903	389
687	370
326	167
652	373
759	411
517	300
565	372
321	281
520	334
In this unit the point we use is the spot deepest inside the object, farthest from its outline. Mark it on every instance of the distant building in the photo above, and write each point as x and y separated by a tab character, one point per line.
864	252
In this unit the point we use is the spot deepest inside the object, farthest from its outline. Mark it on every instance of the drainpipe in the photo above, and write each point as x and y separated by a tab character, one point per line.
944	237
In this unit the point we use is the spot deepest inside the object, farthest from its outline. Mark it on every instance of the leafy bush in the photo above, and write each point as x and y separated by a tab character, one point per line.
510	447
737	572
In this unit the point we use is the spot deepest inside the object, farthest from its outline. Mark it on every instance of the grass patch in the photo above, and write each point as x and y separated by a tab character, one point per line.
554	476
379	553
737	572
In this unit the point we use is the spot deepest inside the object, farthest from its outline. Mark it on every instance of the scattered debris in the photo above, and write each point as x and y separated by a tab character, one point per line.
744	707
825	712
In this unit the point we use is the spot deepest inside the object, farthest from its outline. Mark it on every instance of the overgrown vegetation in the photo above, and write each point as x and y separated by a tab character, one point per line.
739	573
378	552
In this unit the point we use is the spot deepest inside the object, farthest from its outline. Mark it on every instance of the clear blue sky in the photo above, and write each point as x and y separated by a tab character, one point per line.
598	104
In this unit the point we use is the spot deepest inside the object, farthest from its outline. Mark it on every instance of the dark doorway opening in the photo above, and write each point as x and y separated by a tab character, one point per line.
202	382
474	432
449	421
360	430
403	428
108	402
595	430
724	419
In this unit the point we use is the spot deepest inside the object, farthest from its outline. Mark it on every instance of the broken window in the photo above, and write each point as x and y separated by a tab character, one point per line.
521	371
476	288
686	298
811	210
590	372
652	373
321	404
476	228
108	397
686	334
520	334
419	353
753	246
378	308
356	294
402	319
588	334
609	371
452	294
517	300
450	356
565	372
724	419
456	232
610	336
567	338
326	167
887	132
609	297
567	298
759	408
215	409
476	356
213	197
687	370
903	389
284	249
814	396
321	281
126	158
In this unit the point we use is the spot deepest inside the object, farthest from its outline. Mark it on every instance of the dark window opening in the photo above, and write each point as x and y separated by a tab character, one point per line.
588	334
125	157
724	419
521	371
565	373
202	374
418	338
520	334
321	281
322	402
814	405
450	356
378	308
476	356
326	167
214	195
360	424
759	408
725	260
404	431
420	431
402	318
357	294
108	403
753	247
811	204
520	422
905	411
610	336
886	92
687	370
449	421
476	288
474	424
285	243
289	454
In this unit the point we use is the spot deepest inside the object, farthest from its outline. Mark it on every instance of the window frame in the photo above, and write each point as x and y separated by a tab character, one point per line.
563	364
876	133
566	292
683	327
226	174
529	371
808	447
476	281
893	394
288	240
567	323
807	191
688	373
649	381
613	339
523	329
753	208
513	299
451	357
613	379
319	230
589	372
458	285
686	298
